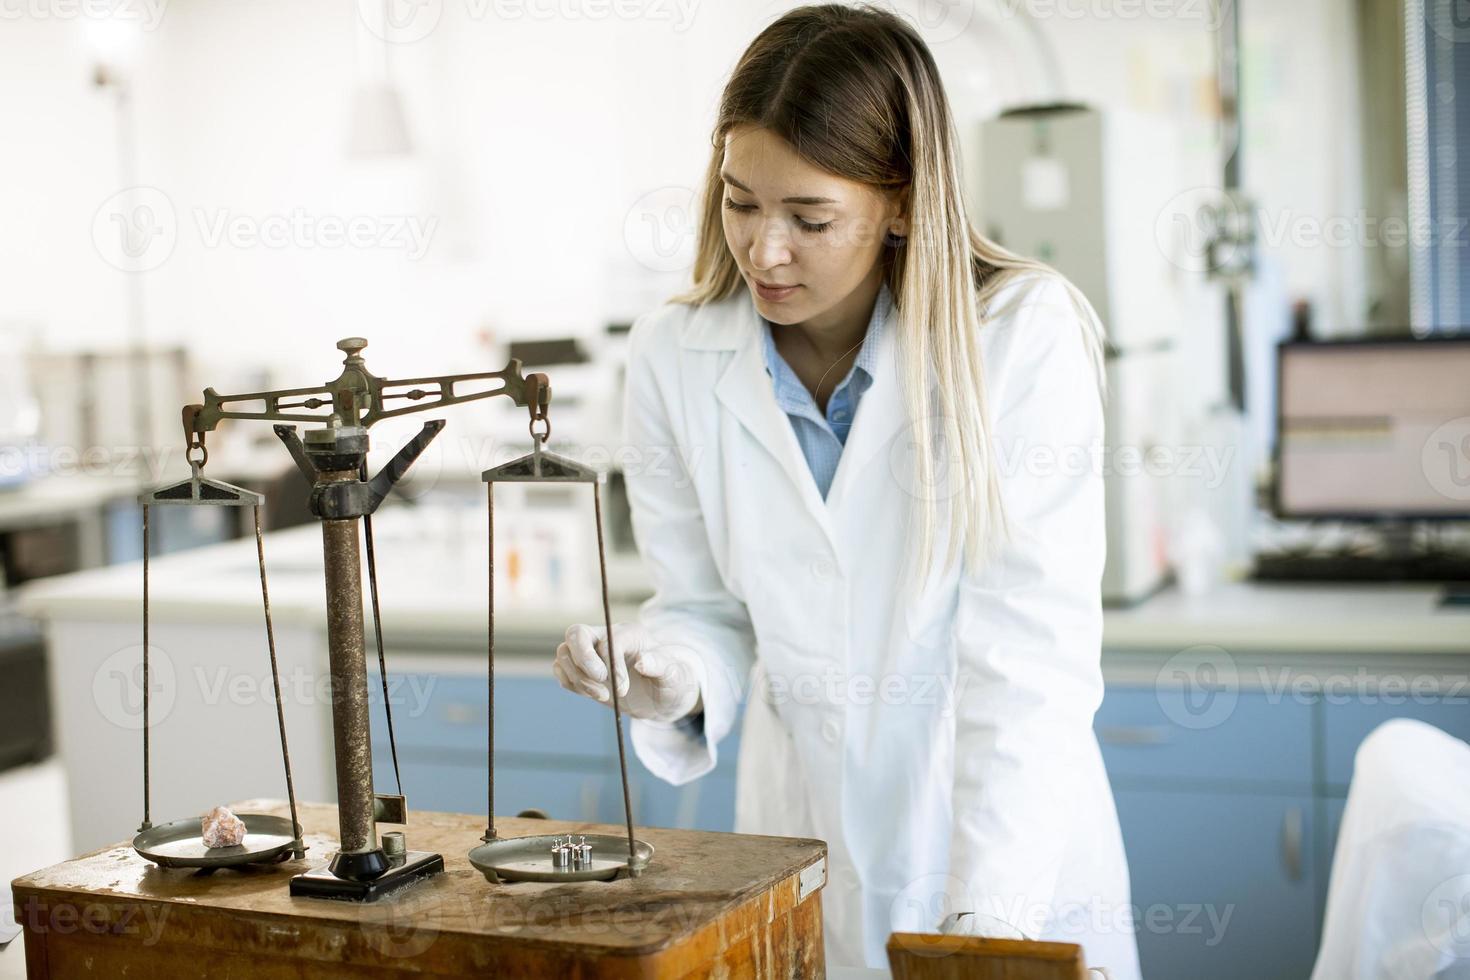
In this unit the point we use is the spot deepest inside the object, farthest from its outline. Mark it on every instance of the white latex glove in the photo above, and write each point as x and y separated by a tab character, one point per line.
656	684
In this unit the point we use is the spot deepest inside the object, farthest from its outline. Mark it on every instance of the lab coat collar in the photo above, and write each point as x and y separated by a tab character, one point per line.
745	390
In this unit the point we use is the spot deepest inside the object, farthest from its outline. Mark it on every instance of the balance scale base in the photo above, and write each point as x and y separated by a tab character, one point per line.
322	883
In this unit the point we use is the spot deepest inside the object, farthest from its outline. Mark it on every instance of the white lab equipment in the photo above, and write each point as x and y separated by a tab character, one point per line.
943	746
1085	192
1398	905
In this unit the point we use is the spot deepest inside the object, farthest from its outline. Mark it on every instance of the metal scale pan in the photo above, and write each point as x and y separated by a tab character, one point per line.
531	858
180	843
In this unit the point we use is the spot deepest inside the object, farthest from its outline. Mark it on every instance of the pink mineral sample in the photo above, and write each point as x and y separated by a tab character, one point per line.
222	828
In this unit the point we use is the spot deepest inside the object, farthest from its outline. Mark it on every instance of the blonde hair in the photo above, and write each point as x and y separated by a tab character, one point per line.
856	92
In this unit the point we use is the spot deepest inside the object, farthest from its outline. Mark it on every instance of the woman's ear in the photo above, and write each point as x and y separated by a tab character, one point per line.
899	222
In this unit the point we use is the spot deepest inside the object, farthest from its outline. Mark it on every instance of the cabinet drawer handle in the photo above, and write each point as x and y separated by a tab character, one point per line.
1136	735
1291	843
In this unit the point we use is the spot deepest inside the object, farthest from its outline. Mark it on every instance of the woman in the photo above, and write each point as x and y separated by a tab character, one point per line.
915	629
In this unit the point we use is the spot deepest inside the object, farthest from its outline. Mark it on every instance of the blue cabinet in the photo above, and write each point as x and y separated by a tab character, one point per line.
1347	722
1249	740
1223	883
554	751
1216	805
1233	807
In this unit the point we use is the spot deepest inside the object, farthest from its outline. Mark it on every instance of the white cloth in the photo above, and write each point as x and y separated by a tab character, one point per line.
943	746
1398	905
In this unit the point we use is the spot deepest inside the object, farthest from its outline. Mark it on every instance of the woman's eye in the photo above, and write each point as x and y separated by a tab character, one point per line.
733	205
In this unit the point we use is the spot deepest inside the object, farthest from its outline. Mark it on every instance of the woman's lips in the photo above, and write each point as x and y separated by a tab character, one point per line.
774	294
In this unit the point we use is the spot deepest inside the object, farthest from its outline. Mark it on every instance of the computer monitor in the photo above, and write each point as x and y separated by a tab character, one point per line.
1374	429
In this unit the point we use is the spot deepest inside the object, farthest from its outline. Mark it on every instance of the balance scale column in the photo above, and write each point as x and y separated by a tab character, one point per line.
351	735
361	870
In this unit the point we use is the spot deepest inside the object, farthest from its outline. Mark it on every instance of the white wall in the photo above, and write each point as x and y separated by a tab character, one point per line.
536	140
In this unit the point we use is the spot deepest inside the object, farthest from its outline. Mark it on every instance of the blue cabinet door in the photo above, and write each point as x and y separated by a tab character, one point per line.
533	716
1345	725
1223	883
450	782
554	751
1248	739
707	803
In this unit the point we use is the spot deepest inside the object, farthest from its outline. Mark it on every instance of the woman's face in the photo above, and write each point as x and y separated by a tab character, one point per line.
814	236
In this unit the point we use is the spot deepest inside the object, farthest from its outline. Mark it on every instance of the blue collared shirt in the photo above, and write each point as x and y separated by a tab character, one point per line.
822	437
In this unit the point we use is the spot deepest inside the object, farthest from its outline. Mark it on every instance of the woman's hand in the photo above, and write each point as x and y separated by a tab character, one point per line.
656	684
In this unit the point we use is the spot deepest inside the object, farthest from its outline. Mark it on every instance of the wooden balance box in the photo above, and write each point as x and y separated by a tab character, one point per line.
728	904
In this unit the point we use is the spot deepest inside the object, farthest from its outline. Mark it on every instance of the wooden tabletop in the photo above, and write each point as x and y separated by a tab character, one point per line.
696	882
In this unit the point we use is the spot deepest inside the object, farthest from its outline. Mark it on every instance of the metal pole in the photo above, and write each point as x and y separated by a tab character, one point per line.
490	671
147	818
270	636
372	562
352	740
612	678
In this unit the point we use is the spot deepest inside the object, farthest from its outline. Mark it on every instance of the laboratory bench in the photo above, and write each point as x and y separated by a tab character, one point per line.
734	905
1228	727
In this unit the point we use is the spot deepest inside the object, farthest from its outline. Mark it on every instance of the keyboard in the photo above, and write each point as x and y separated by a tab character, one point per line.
1361	568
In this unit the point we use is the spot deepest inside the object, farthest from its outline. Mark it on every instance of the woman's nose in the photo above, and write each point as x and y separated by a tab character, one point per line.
770	247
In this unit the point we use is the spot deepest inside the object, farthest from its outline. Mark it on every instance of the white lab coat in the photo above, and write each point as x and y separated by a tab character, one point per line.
1398	905
994	798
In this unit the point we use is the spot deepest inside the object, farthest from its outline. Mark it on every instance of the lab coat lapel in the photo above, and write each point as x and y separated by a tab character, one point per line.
746	391
881	415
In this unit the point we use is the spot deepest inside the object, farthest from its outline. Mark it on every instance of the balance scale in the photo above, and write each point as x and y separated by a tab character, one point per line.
333	457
